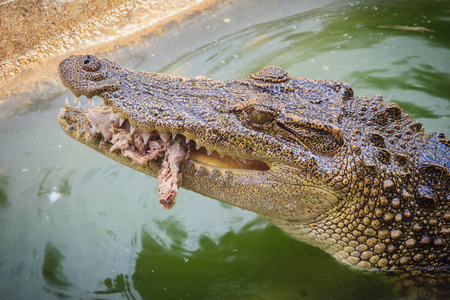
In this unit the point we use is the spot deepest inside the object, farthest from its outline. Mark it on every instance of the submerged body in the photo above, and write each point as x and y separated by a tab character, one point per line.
352	175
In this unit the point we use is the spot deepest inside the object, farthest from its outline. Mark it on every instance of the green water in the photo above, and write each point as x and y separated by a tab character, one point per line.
74	224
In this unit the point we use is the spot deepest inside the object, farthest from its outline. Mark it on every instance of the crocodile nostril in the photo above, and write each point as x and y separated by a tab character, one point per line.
91	63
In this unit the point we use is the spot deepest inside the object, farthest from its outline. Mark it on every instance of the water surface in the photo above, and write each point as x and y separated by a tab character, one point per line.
75	224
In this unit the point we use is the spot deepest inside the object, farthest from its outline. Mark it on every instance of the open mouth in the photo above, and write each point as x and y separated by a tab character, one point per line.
172	148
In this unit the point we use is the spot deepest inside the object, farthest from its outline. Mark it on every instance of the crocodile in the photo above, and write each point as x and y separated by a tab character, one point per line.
352	175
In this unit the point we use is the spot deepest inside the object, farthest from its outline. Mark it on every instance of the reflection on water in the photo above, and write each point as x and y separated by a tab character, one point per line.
119	285
3	196
76	225
52	267
423	78
250	264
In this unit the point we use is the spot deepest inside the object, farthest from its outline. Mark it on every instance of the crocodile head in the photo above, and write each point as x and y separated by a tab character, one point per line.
247	138
353	175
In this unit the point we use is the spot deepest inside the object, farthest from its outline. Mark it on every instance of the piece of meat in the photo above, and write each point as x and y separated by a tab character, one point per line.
122	140
156	150
103	121
169	178
143	147
139	143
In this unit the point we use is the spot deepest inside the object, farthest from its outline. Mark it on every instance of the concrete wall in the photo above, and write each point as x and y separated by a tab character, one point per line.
36	34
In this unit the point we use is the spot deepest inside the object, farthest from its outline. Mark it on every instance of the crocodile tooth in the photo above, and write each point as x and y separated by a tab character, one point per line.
187	140
165	136
75	99
173	136
208	152
121	121
62	113
221	155
67	102
197	147
145	137
94	130
132	129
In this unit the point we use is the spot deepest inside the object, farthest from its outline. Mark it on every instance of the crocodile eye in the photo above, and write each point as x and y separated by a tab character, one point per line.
260	117
91	63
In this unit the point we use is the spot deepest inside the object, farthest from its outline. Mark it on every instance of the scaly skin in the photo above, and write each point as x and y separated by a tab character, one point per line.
352	175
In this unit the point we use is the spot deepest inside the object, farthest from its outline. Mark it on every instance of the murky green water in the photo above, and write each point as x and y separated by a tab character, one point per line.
74	224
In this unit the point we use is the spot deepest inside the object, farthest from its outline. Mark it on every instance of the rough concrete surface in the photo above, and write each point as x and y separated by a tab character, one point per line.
37	34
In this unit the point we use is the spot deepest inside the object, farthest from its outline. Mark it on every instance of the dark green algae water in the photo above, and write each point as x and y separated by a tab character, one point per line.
74	224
